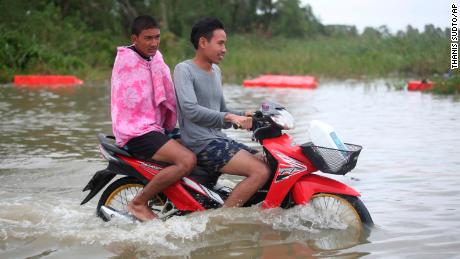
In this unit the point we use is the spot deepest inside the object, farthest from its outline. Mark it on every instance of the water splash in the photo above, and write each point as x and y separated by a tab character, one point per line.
64	219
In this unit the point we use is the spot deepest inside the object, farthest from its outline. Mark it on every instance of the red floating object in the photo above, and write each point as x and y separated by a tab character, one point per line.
419	86
306	82
48	80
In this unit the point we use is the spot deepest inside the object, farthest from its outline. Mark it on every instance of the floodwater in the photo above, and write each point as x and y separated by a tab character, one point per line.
408	174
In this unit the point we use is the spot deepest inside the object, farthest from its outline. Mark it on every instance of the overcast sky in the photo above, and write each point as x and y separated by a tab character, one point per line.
395	14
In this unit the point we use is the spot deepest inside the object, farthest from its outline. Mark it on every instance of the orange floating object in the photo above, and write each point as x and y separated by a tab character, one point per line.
307	82
419	86
49	80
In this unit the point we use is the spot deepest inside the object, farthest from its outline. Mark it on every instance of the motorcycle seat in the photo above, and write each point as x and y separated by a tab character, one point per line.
108	143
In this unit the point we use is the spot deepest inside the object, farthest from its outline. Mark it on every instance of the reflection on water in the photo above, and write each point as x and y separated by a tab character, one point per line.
407	174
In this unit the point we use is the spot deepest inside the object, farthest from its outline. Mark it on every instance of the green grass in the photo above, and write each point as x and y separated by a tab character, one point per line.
358	57
446	86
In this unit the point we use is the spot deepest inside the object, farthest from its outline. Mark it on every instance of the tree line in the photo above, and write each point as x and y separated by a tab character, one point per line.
65	36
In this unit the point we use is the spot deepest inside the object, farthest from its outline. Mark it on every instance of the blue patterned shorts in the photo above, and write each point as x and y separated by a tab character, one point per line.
219	152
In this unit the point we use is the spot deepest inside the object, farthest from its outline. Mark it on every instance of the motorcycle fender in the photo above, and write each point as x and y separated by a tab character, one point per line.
311	184
100	179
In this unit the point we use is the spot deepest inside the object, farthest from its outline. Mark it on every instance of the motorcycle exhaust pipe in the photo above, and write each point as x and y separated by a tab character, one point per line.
111	213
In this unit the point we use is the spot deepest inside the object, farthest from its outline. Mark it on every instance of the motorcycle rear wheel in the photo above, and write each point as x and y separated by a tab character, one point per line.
119	193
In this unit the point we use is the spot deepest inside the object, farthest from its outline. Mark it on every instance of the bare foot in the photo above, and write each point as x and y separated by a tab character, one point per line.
141	212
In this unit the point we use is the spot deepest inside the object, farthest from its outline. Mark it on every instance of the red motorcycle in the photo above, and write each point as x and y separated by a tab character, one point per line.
292	180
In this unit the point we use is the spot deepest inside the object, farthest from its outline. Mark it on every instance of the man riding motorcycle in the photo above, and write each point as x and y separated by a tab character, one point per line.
203	113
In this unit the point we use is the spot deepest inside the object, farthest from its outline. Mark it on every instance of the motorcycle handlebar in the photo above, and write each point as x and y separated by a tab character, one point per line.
260	123
257	119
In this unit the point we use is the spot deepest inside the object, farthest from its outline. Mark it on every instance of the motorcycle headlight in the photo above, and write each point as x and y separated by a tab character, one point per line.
283	119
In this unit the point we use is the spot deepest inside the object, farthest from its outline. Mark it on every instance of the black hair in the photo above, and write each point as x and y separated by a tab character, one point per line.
204	28
143	22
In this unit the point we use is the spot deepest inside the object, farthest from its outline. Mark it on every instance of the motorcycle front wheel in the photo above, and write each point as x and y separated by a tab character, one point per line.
349	210
119	193
344	221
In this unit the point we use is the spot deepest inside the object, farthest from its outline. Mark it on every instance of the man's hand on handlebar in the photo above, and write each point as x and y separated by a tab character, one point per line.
242	122
248	113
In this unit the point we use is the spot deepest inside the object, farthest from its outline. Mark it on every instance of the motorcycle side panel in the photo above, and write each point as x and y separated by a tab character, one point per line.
292	165
181	198
144	168
312	184
176	192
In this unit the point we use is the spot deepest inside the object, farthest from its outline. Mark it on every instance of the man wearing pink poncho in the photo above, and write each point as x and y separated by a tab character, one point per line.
143	106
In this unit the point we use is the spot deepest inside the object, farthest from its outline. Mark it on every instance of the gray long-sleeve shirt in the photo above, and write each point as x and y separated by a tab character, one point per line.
200	104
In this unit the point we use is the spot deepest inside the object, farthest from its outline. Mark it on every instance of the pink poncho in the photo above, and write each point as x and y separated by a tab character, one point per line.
142	98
